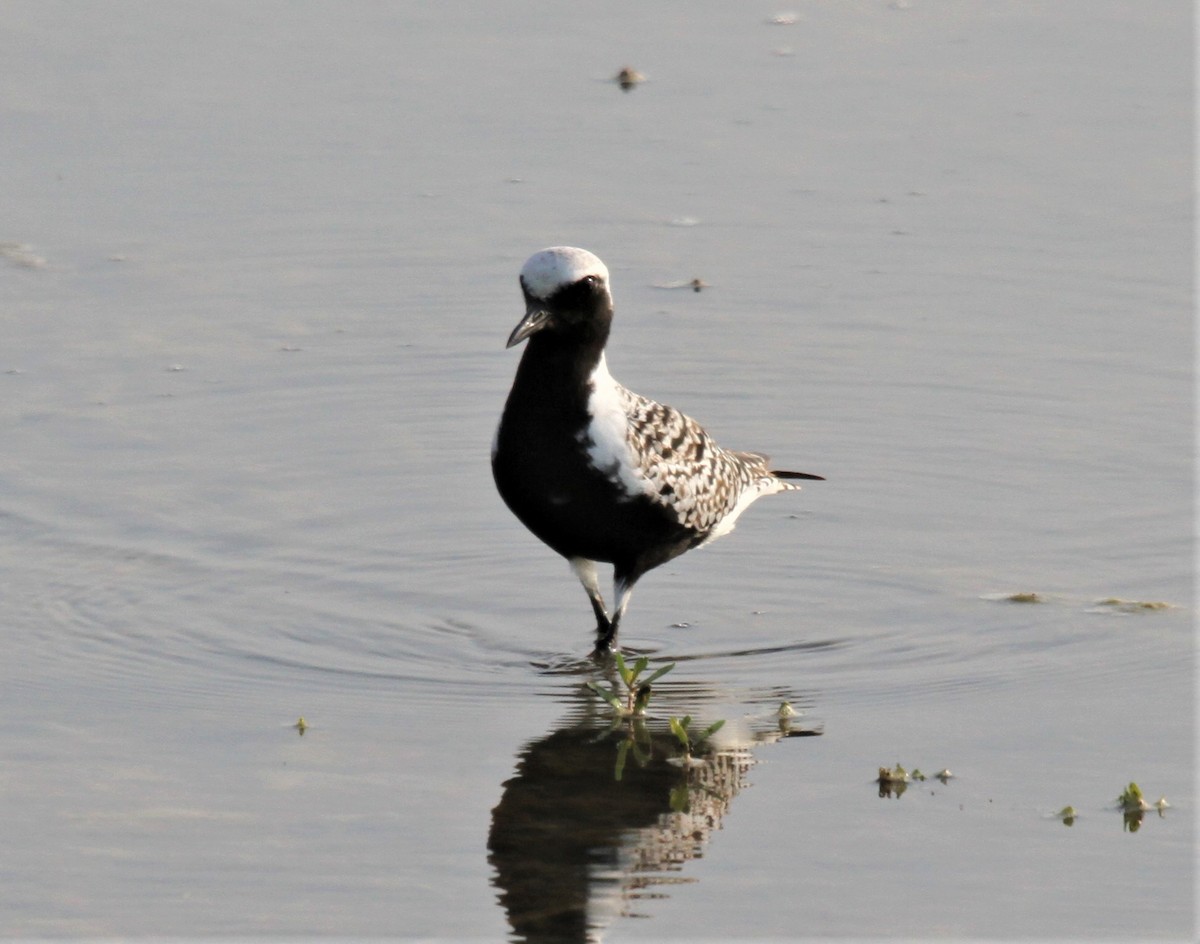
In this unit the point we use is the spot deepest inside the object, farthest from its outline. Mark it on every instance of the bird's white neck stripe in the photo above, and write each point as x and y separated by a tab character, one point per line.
600	377
607	433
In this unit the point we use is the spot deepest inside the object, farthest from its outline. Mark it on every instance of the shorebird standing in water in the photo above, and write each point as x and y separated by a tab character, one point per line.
596	471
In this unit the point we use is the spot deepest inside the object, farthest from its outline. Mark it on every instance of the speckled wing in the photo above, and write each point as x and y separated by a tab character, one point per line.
686	471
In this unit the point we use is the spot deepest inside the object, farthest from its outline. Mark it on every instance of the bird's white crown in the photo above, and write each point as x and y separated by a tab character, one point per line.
545	272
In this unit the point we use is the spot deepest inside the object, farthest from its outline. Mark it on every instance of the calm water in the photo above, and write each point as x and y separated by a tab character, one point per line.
258	265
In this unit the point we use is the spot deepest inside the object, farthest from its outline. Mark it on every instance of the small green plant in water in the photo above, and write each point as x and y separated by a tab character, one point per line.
893	775
679	727
637	693
1132	800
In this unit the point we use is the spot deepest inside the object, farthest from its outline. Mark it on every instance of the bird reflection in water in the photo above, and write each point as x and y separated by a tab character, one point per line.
587	827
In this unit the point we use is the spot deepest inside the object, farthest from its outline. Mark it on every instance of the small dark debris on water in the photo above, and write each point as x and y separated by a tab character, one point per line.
696	285
628	78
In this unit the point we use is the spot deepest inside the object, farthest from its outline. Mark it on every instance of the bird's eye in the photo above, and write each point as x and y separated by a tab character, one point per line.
591	281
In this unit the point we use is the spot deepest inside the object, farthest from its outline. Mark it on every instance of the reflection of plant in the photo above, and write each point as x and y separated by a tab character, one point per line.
637	694
630	710
893	781
1132	804
637	739
681	795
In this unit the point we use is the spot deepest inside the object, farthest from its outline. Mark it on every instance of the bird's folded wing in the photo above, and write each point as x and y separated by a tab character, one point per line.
684	468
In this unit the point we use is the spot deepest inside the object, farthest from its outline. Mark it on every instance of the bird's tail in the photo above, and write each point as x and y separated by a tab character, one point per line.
780	474
761	460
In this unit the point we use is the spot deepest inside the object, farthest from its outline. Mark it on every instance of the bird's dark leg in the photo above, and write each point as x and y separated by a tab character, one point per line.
606	637
603	625
585	570
623	584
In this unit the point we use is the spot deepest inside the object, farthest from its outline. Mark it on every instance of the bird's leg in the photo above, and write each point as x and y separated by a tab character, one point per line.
605	634
603	625
606	638
585	570
623	587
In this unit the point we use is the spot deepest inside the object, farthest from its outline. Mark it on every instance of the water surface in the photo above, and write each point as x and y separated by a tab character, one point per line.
259	264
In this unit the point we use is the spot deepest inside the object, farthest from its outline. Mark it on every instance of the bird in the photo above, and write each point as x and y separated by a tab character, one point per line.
597	472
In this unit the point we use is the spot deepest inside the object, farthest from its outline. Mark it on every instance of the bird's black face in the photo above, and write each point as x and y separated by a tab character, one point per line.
583	308
566	298
580	299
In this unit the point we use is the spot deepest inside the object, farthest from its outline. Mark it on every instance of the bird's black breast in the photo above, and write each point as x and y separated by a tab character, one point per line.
546	477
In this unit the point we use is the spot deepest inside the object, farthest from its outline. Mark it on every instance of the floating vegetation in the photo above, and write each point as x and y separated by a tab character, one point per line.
1022	596
1132	606
1133	806
1067	814
783	717
301	726
895	774
1131	799
1108	604
893	781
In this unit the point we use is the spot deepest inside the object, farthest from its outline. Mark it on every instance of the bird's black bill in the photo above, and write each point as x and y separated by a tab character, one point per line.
797	475
535	319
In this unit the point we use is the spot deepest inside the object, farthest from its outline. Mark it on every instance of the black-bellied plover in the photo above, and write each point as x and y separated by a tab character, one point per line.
596	471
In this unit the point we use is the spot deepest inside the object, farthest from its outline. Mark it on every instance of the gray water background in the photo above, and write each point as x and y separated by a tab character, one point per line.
259	264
